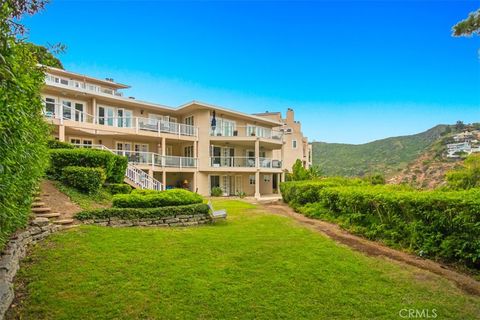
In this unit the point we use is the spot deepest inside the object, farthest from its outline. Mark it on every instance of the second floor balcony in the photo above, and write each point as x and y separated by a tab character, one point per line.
244	162
157	160
71	113
245	131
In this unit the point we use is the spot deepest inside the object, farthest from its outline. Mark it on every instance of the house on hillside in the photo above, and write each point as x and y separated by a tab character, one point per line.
197	146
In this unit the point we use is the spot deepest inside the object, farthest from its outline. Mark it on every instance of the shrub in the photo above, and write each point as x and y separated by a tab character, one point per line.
88	180
61	158
140	213
55	144
118	170
119	188
216	192
23	131
173	197
435	224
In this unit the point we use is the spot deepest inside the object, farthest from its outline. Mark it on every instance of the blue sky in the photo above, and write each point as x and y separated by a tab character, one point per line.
353	71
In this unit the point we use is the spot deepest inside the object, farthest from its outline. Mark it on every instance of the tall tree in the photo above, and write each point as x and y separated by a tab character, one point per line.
469	26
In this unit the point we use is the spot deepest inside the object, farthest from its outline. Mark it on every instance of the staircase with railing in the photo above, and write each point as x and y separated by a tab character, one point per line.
134	176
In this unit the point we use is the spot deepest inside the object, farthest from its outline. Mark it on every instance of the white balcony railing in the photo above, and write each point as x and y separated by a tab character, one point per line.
63	113
80	85
270	163
245	131
238	162
155	159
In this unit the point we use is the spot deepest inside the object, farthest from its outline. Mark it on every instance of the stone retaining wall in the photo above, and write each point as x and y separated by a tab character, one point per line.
14	251
171	221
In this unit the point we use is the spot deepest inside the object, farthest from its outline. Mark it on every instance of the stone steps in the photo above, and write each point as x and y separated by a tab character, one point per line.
48	215
63	221
70	226
41	210
37	204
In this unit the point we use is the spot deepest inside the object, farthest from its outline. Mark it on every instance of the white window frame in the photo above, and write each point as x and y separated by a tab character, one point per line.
55	106
251	179
267	178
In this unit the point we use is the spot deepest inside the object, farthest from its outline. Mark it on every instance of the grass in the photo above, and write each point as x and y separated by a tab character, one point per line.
253	266
102	199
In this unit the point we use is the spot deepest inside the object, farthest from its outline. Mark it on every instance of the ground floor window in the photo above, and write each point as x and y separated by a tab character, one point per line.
251	179
267	178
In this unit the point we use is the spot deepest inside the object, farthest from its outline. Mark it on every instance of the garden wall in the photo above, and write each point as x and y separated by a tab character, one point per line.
171	221
14	251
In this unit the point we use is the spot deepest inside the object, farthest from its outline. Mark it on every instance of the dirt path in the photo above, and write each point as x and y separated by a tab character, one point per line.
371	248
58	201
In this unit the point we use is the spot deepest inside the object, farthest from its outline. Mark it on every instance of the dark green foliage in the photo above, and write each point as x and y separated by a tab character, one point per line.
88	180
216	192
119	188
23	132
139	213
60	158
55	144
173	197
375	179
436	224
118	171
381	156
467	177
469	26
44	56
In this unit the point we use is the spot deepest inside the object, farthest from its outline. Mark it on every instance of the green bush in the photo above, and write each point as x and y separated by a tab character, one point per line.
61	158
55	144
84	179
467	177
23	131
216	192
173	197
437	224
119	188
119	168
140	213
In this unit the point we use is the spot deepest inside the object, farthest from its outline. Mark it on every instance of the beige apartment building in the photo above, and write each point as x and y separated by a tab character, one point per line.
196	146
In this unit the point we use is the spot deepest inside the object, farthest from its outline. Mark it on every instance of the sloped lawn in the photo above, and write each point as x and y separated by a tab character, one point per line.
254	266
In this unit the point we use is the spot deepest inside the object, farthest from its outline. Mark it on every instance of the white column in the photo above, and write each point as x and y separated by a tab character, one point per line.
61	133
257	184
94	110
257	152
164	179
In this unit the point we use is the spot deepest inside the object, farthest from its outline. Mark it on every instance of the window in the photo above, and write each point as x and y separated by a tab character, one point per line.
49	107
214	182
87	143
267	178
75	141
251	179
189	121
79	112
188	151
67	109
294	144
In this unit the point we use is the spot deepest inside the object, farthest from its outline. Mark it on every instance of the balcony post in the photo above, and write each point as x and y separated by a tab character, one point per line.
136	124
94	110
153	160
61	133
257	153
164	147
257	184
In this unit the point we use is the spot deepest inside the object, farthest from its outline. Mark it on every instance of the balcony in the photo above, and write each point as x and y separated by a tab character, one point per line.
155	159
232	162
63	113
80	85
244	162
246	131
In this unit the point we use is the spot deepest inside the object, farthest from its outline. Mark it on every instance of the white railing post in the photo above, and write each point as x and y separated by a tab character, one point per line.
136	124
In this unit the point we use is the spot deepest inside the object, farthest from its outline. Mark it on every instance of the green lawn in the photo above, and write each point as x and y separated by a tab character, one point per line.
253	266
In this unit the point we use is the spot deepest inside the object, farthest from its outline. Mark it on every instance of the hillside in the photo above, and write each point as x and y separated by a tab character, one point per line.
387	156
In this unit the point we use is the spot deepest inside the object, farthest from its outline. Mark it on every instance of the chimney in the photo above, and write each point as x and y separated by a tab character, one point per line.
290	115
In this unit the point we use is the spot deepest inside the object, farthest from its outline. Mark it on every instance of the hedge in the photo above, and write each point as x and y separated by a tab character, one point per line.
154	199
119	188
139	213
23	130
55	144
113	165
84	179
436	224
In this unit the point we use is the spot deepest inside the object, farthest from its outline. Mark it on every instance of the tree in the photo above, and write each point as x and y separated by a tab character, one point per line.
314	172
466	177
469	26
23	131
459	126
45	56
